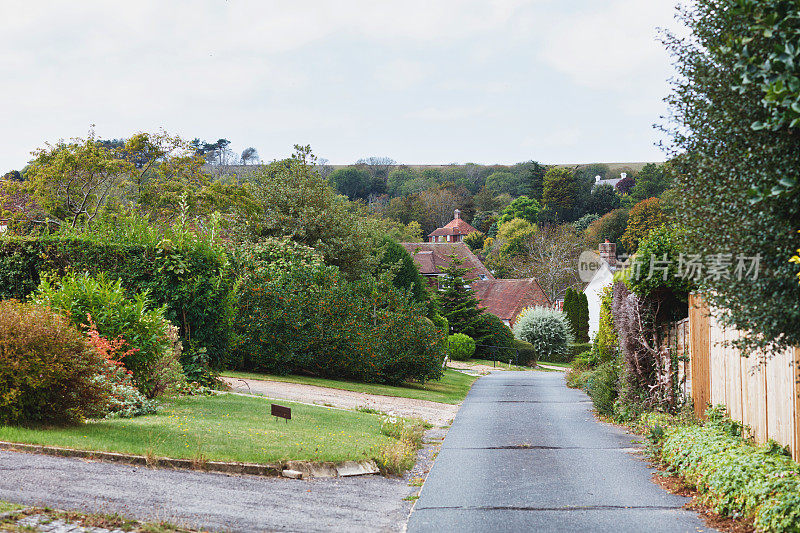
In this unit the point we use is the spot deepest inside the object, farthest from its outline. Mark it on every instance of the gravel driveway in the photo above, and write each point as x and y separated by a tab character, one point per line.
438	414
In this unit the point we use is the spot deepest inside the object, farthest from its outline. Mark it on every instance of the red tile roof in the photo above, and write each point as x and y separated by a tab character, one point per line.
506	298
431	255
454	227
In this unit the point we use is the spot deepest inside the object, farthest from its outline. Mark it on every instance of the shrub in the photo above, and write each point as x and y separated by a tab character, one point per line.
296	314
606	343
189	278
733	477
546	329
85	299
526	353
601	385
48	373
498	342
460	347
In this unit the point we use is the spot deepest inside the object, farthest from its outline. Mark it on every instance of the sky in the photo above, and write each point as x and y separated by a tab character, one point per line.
422	82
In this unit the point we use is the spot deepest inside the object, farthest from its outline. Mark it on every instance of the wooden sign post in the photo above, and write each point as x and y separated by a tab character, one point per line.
279	411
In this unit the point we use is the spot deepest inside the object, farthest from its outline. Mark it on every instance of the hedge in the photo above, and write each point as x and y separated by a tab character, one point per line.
190	282
732	476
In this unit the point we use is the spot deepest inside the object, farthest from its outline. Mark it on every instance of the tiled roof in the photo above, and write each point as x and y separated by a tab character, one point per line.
431	255
506	298
454	227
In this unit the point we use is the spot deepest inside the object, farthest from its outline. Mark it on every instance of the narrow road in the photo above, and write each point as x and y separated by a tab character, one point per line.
526	454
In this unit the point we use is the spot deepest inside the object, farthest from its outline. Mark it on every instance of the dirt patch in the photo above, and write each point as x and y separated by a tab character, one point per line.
438	414
677	485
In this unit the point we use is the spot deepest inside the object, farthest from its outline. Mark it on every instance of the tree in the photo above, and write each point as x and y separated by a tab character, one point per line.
571	309
593	170
582	335
734	119
551	256
475	241
603	199
503	181
12	175
643	218
457	301
511	240
74	181
293	200
523	207
559	196
377	166
405	273
625	185
651	181
352	182
610	227
249	155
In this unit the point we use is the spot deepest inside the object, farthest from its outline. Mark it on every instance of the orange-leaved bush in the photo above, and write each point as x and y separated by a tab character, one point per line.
48	372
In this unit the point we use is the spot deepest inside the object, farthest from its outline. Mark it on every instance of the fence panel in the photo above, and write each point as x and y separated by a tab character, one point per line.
761	392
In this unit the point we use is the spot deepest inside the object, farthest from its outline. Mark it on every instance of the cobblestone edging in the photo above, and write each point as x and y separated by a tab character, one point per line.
308	469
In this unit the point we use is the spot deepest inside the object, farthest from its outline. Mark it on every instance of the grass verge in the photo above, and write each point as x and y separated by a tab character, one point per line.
451	389
500	364
8	506
223	428
23	522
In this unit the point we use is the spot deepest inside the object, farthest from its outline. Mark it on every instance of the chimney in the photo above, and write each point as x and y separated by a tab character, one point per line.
457	214
608	252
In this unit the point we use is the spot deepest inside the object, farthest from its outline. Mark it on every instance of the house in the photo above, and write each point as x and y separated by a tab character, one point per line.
507	298
430	256
602	279
611	181
504	298
454	231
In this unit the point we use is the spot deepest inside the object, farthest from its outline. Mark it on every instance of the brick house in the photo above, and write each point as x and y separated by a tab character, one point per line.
504	298
454	231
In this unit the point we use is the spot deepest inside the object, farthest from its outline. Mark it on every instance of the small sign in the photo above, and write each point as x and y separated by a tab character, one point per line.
279	411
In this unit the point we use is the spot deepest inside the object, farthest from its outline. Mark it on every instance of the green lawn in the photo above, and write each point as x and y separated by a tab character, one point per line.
452	388
223	427
561	365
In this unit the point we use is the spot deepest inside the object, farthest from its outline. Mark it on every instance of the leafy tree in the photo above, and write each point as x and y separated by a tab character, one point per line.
561	190
293	200
643	218
351	182
625	185
531	175
523	207
734	111
651	182
512	237
611	227
457	301
603	199
249	155
593	170
74	181
571	309
396	179
405	273
475	240
12	175
582	223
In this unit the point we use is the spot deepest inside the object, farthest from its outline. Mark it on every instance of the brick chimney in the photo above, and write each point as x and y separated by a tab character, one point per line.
608	252
457	214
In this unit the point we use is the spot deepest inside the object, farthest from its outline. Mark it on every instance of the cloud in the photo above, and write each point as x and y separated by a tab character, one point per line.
610	47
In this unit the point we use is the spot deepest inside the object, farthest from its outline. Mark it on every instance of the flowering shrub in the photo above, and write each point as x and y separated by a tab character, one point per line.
124	399
48	373
460	347
151	354
294	313
548	330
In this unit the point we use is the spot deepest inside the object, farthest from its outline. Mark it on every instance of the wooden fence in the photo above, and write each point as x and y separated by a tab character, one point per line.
762	393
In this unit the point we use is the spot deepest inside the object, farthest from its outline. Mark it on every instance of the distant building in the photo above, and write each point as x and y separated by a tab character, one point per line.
507	298
455	231
504	298
613	181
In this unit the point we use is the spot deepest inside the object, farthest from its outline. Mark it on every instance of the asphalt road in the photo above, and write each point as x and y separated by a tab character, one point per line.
526	454
207	500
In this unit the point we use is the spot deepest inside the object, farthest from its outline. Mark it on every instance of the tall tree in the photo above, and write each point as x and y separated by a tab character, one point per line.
457	300
560	194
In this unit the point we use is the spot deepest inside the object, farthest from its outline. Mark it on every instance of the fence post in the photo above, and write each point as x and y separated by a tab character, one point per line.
796	365
699	354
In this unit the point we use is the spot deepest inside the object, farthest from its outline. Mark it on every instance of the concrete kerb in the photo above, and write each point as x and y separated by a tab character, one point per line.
309	469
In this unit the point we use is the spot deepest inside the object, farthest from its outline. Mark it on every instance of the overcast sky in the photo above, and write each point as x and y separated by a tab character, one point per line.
435	81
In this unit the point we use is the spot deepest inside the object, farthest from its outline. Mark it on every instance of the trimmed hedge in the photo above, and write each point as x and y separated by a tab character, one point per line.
191	282
573	351
526	353
733	477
